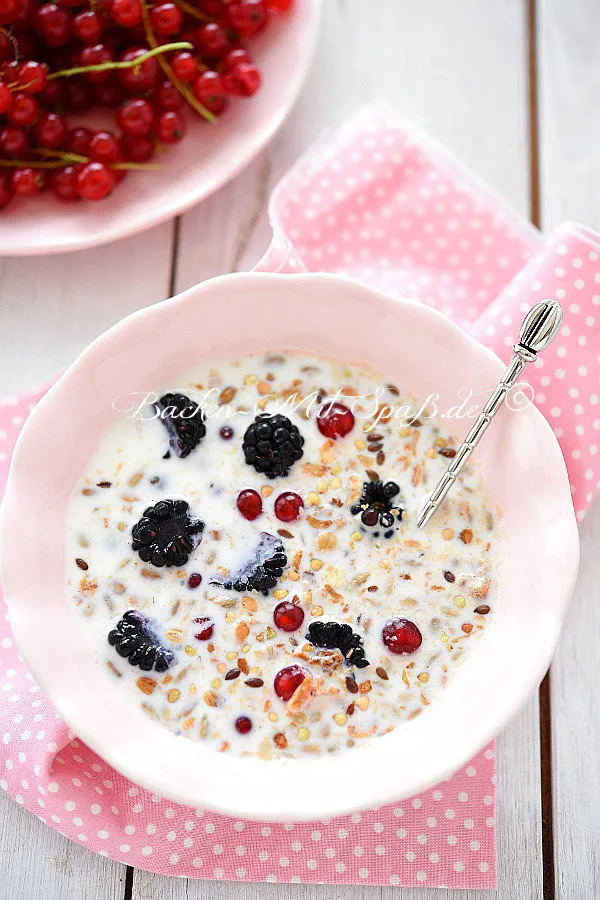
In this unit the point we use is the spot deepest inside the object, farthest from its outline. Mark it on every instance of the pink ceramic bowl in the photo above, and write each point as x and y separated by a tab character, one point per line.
207	158
520	462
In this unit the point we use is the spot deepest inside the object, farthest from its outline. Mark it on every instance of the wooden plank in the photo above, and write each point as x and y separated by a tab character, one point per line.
38	862
50	308
438	65
569	75
569	79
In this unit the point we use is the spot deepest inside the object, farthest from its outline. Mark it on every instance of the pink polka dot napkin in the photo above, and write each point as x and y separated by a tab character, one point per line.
383	204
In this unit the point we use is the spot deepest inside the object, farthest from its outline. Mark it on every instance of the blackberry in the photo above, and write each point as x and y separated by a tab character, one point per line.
377	507
332	635
184	423
134	639
166	534
261	572
272	444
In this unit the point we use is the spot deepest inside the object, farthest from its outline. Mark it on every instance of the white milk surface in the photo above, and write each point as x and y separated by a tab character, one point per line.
337	569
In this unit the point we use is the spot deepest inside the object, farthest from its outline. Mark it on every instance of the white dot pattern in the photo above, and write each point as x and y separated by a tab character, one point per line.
388	207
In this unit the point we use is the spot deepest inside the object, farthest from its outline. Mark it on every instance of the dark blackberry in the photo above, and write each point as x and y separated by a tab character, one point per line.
134	639
166	534
261	572
184	423
272	444
332	635
377	507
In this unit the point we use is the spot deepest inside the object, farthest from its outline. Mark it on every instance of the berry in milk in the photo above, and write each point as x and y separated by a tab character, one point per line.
245	559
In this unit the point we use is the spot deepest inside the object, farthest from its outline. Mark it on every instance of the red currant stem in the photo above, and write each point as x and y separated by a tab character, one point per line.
146	167
192	11
185	93
74	158
67	158
125	64
13	41
32	163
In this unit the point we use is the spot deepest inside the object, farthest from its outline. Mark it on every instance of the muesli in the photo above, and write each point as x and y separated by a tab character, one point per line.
242	554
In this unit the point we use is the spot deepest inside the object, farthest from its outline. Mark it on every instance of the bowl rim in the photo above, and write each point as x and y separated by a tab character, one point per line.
121	226
150	777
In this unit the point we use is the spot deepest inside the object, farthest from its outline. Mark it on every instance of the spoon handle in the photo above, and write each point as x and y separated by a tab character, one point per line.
539	328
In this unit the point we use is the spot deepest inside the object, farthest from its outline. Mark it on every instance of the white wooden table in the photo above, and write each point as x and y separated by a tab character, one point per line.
511	86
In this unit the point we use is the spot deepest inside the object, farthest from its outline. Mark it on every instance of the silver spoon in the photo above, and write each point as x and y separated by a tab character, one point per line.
539	328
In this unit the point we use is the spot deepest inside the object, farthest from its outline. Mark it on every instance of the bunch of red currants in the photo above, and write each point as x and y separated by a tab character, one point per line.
146	62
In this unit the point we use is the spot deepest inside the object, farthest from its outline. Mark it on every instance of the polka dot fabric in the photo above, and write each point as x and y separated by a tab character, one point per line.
385	205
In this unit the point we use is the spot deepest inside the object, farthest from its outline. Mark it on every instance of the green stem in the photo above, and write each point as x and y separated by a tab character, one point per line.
74	158
125	64
183	90
31	163
146	167
67	158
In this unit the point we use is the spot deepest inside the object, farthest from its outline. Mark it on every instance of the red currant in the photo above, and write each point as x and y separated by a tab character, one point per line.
51	95
170	127
6	47
28	181
167	97
6	191
78	141
13	141
212	41
213	8
109	93
10	71
242	81
24	110
226	432
249	503
288	680
54	24
401	636
288	617
136	117
194	581
33	77
104	147
243	724
140	78
247	17
166	19
88	26
207	626
208	89
96	55
51	131
8	11
137	149
239	55
24	19
127	13
279	5
335	420
288	506
5	97
185	66
64	184
95	181
77	94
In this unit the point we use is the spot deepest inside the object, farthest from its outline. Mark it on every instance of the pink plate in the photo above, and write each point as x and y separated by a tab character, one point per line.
521	463
207	158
